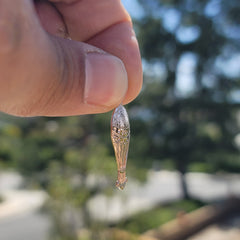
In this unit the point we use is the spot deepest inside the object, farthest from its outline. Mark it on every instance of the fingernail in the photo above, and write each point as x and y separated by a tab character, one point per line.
106	80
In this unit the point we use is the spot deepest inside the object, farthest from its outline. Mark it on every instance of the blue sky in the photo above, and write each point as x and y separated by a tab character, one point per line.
133	8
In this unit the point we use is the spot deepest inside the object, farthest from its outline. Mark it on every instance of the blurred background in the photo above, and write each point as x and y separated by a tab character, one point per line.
57	174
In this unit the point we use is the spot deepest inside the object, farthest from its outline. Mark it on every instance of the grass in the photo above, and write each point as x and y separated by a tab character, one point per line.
156	217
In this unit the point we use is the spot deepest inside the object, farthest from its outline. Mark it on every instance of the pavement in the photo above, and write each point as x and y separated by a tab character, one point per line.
162	187
21	220
25	226
226	230
16	199
217	233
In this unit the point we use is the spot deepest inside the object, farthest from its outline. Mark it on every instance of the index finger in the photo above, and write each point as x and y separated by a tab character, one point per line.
107	25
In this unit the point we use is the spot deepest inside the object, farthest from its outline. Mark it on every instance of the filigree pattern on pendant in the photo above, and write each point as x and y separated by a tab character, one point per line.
120	135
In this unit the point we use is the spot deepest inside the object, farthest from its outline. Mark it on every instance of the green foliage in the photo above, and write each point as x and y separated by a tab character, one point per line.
201	167
10	134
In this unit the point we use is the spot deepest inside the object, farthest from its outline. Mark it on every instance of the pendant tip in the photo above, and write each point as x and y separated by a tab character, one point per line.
121	185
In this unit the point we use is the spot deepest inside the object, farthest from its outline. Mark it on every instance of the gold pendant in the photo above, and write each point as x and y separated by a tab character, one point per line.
120	135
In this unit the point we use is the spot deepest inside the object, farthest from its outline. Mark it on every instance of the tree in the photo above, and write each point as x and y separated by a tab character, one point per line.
59	155
191	94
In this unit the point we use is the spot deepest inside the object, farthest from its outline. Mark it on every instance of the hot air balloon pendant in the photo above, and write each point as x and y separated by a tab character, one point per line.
120	135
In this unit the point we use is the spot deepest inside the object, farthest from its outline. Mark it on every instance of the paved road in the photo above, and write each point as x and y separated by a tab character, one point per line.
226	230
19	219
26	226
19	215
161	187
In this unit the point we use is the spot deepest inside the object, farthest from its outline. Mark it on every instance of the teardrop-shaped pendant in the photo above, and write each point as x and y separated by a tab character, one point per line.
120	135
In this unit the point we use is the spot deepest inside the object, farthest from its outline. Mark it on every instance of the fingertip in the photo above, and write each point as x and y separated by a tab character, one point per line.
120	41
106	80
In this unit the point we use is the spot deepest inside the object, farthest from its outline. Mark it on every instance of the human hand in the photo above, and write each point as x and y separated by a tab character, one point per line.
43	74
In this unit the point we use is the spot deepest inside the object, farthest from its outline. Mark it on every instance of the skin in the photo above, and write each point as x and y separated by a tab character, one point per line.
43	73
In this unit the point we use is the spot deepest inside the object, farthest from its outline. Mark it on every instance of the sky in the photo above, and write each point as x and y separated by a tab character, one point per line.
133	8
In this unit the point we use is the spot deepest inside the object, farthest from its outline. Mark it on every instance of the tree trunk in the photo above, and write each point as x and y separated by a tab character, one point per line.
181	167
184	186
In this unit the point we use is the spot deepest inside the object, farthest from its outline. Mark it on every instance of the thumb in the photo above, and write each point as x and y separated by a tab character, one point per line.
43	75
90	81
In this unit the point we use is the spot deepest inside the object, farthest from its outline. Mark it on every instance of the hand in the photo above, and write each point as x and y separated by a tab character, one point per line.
42	73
